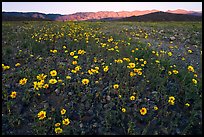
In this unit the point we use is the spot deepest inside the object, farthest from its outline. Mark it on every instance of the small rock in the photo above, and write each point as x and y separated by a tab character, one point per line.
172	38
108	98
81	125
161	31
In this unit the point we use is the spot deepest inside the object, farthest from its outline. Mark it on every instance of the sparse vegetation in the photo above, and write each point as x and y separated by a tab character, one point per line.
106	78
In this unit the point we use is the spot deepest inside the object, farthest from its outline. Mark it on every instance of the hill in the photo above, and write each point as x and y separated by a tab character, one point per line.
163	16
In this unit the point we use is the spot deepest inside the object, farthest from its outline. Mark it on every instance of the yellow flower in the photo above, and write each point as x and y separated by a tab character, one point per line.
71	53
85	81
115	86
143	111
73	71
169	72
183	58
54	51
132	74
58	130
74	62
59	80
195	75
46	86
41	76
171	102
64	47
53	73
194	81
123	110
23	81
187	104
52	81
139	72
172	98
145	62
97	68
169	54
190	68
66	121
75	57
106	69
189	51
68	77
57	124
131	65
63	111
41	115
132	98
37	85
157	61
175	71
17	64
155	108
13	94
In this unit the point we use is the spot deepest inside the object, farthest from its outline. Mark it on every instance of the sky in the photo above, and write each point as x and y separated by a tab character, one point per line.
73	7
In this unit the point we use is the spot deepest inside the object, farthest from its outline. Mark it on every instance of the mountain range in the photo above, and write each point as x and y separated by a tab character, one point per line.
100	15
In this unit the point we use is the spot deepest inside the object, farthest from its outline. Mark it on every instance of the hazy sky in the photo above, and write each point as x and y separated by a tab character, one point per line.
72	7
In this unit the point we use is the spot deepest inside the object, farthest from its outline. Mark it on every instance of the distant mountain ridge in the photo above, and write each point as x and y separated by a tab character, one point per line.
79	16
163	16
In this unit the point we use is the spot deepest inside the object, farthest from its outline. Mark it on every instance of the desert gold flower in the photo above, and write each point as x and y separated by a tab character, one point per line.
71	54
190	68
194	81
63	111
115	86
169	72
57	124
85	81
59	80
74	62
42	115
169	54
53	73
155	108
68	77
66	121
58	130
23	81
123	110
41	76
52	81
187	104
106	69
13	94
17	64
175	71
143	111
37	85
157	61
46	86
132	74
171	100
190	51
131	65
132	98
145	62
